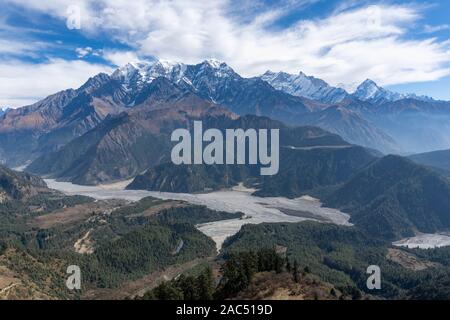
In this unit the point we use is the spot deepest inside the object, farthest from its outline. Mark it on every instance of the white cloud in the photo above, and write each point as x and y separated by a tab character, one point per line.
15	48
88	51
83	52
120	58
25	83
352	44
433	29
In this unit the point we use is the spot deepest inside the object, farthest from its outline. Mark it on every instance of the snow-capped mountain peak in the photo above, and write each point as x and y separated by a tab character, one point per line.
126	74
164	68
200	77
214	63
215	68
370	91
211	73
134	75
3	110
146	72
304	86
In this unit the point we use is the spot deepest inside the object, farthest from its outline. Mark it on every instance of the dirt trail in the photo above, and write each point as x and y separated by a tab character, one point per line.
84	244
8	288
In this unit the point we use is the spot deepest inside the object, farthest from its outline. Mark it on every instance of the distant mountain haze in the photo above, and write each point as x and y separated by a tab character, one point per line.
439	160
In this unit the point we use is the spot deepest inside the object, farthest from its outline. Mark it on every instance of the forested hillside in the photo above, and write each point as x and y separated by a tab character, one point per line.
394	197
341	255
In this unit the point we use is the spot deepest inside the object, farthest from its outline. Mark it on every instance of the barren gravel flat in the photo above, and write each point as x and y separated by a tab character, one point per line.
425	241
256	209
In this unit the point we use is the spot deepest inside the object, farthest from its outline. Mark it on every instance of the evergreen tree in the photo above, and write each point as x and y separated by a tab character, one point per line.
205	285
188	287
167	291
3	247
295	272
333	292
288	265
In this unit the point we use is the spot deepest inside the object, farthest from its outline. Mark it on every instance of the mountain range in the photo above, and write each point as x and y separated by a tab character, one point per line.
372	116
313	88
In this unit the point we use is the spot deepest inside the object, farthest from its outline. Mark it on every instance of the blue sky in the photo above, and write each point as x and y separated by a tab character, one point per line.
402	45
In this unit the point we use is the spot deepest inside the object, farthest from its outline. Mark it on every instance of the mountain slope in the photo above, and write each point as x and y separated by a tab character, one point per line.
16	185
436	159
353	127
125	145
305	169
168	177
52	122
394	197
417	126
309	158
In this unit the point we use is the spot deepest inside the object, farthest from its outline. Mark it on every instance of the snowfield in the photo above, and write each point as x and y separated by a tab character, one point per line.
239	199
